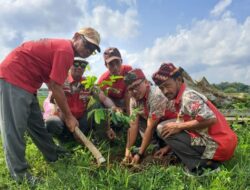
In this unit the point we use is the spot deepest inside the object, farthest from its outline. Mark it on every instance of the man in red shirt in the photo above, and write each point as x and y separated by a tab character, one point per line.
117	91
200	136
77	98
22	72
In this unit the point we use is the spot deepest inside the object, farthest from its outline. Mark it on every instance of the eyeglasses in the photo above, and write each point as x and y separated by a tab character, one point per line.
81	64
88	45
135	87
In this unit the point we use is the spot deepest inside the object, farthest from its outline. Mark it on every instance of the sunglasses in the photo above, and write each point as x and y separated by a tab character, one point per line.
88	45
81	64
135	87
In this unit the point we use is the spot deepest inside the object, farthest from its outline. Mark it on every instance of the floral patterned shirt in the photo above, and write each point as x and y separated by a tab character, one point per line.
192	105
152	105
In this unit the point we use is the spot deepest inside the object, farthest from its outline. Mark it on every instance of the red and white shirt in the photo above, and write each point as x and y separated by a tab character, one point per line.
220	141
153	104
77	96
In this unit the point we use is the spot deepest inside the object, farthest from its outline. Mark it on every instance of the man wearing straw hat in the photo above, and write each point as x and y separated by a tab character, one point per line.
22	72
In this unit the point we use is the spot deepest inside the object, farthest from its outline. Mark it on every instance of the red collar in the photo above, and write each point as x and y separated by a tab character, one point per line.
180	93
71	80
147	93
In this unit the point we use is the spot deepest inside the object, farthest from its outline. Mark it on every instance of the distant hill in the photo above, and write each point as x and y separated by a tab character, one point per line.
234	87
223	95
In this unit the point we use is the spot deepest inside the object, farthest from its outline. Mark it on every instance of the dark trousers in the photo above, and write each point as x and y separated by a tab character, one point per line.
56	126
180	144
20	113
190	155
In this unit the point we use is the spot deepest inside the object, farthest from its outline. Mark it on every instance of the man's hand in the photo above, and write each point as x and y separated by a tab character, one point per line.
163	151
77	138
71	123
126	160
128	157
116	109
111	134
170	129
136	159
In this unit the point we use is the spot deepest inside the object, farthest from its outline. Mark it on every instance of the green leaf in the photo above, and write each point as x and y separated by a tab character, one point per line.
114	77
99	115
89	82
134	114
118	116
90	113
106	83
113	117
92	102
111	80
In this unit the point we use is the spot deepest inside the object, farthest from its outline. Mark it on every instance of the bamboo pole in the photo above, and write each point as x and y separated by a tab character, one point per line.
85	141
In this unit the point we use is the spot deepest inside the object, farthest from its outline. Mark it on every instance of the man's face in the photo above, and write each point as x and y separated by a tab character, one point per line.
170	88
77	70
82	47
138	88
114	66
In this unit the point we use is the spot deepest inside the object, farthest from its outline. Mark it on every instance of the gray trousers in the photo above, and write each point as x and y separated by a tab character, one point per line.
20	112
181	145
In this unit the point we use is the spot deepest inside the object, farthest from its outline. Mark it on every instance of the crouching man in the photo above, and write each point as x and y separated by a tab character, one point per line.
150	104
77	98
200	136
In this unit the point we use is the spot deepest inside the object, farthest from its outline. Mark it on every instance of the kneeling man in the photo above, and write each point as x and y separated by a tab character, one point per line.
200	136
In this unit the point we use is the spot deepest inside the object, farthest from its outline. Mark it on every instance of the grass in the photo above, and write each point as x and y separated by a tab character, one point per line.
81	172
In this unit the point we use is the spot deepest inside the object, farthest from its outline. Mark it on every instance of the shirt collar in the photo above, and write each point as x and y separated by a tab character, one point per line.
71	80
180	93
147	93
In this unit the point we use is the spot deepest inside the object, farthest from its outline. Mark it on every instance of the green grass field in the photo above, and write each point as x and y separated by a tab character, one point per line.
81	172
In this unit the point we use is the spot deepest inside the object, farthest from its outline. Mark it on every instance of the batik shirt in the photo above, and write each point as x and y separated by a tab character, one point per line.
152	105
191	105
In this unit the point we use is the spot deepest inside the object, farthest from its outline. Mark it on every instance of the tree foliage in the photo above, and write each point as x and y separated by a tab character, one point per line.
234	87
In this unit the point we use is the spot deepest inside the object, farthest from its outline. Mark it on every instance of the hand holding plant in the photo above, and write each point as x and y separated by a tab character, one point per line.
135	160
128	157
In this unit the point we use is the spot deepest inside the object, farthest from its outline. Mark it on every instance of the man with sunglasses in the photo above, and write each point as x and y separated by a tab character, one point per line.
150	103
22	72
77	98
117	91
